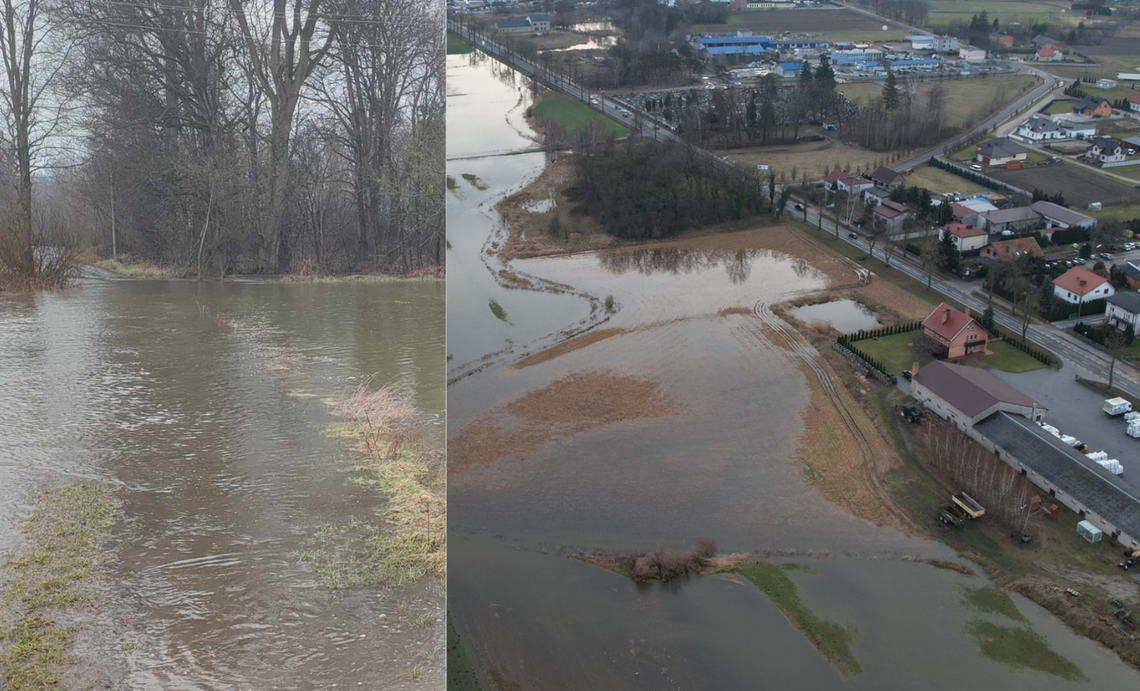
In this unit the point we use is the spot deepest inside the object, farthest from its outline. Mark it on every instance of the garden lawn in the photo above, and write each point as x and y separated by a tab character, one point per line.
572	115
1007	359
941	182
896	352
457	46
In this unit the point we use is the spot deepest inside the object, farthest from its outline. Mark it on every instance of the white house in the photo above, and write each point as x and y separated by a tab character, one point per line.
1039	128
1134	102
1076	126
1105	150
1078	285
966	238
853	184
1122	309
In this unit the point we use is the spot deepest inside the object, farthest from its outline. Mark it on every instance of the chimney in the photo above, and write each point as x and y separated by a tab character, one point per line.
967	313
945	315
1083	282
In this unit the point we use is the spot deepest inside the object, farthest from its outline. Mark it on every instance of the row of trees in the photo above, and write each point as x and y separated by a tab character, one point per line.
227	135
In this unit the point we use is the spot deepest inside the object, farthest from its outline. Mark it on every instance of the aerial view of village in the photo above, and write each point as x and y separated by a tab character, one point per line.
794	343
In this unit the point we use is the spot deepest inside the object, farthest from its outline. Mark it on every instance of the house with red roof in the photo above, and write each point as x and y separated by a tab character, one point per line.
956	332
1049	53
834	177
966	237
1078	285
1134	102
1010	250
892	214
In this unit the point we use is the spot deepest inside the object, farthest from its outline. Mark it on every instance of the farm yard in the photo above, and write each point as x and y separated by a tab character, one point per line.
831	24
1079	185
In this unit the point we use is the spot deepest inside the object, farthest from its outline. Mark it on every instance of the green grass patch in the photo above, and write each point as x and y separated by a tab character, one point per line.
991	599
498	311
1120	212
452	184
1059	108
460	670
895	351
66	536
1007	359
1017	647
829	638
944	11
457	46
571	115
475	181
941	182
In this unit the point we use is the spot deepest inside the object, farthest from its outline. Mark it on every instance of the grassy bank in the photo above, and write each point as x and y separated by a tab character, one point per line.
829	638
66	536
571	115
457	46
1017	647
992	600
406	540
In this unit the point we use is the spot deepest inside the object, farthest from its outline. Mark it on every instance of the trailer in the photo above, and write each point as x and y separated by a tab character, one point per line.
972	508
952	515
1117	406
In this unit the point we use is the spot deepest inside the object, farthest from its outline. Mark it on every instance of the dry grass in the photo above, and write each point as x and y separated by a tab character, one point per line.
569	346
528	232
409	540
129	267
572	405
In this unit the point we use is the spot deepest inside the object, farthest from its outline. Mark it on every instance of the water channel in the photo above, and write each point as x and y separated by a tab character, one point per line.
204	405
720	461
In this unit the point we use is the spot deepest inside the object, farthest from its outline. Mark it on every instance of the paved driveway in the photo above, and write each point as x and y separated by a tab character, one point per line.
1077	410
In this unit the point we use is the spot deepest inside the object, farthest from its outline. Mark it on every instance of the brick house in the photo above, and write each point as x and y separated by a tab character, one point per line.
956	332
1131	275
1093	107
1078	285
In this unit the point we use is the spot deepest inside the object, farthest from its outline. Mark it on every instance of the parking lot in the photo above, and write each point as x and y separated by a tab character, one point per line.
1077	410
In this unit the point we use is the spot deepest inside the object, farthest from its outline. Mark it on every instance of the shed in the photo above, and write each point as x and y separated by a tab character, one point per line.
1089	531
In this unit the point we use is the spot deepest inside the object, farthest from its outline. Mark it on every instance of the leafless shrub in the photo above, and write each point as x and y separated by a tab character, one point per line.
383	415
706	547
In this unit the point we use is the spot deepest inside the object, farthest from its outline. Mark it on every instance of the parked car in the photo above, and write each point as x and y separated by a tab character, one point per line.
906	374
976	168
798	207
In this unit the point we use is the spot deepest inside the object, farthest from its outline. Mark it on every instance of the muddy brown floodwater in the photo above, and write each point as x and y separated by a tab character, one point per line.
719	438
204	406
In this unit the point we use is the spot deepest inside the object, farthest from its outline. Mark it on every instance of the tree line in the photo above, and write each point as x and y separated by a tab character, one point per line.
222	136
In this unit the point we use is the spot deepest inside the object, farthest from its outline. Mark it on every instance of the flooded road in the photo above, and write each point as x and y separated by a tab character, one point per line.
205	406
537	477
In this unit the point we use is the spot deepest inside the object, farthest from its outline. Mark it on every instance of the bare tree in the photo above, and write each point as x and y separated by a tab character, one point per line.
283	48
33	112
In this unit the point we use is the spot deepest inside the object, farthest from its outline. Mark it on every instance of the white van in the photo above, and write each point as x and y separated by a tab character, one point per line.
976	168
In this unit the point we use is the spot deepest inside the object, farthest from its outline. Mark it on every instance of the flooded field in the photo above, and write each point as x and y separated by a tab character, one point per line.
204	406
691	413
845	316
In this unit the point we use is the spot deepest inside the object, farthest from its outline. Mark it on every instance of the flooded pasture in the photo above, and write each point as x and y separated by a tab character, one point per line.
720	448
204	406
845	316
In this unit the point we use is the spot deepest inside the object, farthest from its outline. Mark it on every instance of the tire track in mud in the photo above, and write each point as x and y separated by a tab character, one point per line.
869	466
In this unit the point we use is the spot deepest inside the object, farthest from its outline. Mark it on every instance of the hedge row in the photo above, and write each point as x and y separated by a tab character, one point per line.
1028	350
847	339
